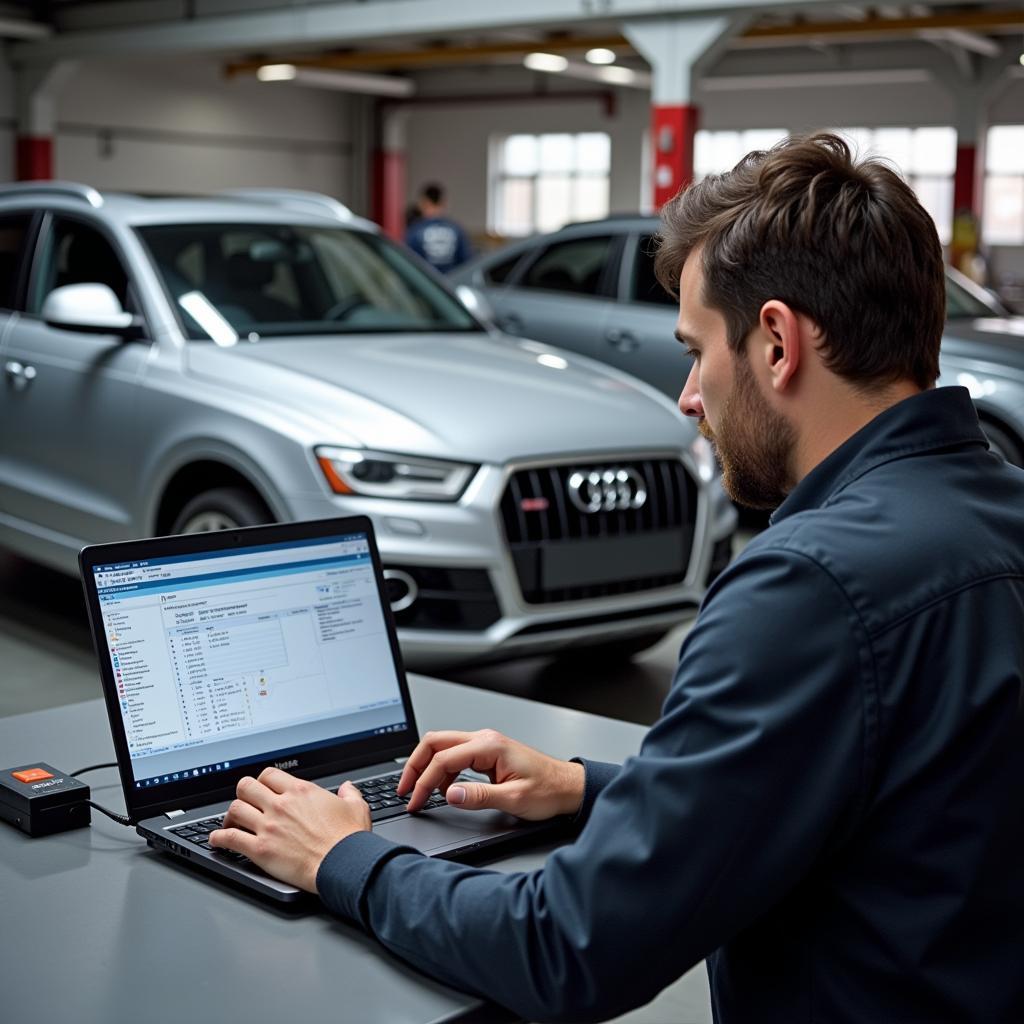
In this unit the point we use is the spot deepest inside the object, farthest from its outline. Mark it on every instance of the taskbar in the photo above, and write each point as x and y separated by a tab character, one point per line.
221	766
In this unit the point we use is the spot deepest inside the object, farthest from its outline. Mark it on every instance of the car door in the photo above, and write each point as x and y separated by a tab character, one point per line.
563	295
639	333
68	416
16	232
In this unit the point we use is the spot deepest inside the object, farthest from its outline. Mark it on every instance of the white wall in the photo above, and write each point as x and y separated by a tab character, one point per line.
179	126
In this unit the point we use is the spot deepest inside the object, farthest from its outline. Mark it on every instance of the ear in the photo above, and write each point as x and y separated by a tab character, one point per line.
781	342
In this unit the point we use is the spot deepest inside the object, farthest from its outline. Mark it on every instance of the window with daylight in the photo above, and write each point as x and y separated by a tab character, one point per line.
926	157
542	182
718	152
1003	216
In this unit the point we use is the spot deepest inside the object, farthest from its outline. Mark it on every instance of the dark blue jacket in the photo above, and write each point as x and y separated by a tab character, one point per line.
831	807
440	241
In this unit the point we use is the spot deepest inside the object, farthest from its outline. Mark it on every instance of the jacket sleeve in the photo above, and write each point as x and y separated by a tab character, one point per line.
753	772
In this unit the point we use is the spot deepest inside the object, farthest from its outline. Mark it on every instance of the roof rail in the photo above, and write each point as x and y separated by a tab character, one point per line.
295	199
68	189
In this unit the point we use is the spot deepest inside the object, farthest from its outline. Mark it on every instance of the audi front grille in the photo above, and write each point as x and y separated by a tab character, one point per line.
589	530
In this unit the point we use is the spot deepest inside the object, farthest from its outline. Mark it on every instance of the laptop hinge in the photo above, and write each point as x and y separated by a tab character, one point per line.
401	760
173	814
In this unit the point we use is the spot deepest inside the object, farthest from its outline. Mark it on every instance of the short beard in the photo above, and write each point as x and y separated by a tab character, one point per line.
754	444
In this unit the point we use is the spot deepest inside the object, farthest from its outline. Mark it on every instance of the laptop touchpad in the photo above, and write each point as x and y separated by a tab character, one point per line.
444	828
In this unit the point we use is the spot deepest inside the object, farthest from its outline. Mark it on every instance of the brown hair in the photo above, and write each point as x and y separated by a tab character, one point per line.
845	243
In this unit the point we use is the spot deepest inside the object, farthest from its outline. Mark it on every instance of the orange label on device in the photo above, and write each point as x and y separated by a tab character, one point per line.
32	775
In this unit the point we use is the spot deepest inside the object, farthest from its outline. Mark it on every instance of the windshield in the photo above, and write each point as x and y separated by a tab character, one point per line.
268	280
961	303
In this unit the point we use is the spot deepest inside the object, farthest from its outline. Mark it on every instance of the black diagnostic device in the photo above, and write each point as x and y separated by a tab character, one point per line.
40	800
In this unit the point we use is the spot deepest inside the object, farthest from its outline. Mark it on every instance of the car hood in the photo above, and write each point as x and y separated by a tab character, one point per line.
997	340
473	396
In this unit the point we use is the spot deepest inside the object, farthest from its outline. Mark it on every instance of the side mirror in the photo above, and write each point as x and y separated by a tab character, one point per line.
90	308
477	304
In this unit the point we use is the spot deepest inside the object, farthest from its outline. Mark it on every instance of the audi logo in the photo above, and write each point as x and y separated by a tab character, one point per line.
607	490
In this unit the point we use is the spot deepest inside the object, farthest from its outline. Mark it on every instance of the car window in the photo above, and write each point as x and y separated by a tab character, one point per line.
499	273
645	286
77	253
576	266
960	303
268	280
13	234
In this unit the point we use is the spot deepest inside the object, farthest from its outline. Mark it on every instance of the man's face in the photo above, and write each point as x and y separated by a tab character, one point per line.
754	442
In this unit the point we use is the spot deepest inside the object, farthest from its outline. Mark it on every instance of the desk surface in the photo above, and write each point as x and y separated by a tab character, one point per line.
97	927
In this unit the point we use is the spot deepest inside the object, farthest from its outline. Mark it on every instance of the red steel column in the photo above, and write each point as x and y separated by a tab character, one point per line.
33	160
389	178
964	178
389	192
673	128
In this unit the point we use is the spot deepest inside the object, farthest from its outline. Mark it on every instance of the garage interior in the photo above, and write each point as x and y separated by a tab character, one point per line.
367	101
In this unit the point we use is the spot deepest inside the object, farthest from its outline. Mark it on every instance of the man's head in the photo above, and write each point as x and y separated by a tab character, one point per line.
812	291
431	200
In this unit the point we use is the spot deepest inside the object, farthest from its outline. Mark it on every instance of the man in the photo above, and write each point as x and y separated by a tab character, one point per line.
830	807
435	236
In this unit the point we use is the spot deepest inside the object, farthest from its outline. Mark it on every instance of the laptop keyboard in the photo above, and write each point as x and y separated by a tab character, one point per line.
379	793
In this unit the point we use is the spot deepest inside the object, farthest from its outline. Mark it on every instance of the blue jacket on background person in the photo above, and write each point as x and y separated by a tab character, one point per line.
435	236
440	241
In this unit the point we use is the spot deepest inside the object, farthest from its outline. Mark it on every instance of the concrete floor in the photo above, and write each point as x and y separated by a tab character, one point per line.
47	658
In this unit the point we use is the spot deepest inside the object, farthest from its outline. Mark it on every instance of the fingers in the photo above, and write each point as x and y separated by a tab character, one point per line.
424	753
477	796
235	839
445	767
253	791
350	791
243	815
278	781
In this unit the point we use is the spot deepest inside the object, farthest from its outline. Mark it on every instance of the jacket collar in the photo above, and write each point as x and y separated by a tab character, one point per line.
939	418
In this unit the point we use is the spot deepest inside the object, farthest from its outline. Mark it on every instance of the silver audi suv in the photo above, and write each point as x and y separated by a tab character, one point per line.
174	365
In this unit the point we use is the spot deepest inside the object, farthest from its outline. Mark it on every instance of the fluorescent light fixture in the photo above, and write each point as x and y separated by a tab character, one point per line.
545	62
600	55
617	75
276	73
23	28
355	81
199	307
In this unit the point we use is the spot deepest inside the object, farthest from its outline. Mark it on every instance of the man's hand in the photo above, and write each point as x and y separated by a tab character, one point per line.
287	826
524	781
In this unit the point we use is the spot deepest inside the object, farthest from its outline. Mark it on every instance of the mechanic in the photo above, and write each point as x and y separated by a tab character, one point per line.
829	809
433	235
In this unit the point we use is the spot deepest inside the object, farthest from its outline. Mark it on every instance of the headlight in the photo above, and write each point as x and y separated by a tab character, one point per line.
383	475
704	455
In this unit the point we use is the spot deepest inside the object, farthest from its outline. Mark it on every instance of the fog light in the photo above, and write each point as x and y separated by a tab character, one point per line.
401	589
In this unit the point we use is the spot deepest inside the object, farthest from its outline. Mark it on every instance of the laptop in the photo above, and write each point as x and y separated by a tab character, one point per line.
223	653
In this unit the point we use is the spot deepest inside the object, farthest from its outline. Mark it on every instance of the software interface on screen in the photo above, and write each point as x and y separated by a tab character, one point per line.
228	658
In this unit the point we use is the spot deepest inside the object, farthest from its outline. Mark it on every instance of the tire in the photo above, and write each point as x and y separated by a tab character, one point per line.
615	650
1003	443
224	508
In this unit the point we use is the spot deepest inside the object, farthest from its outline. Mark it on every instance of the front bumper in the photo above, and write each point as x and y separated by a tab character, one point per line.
464	544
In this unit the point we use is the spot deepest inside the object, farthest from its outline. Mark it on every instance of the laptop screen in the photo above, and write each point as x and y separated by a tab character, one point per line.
246	655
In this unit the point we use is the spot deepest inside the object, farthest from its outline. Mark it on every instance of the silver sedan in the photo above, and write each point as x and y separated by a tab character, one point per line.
590	288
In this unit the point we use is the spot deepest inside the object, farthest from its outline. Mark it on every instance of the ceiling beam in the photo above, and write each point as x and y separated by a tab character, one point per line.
875	28
322	25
